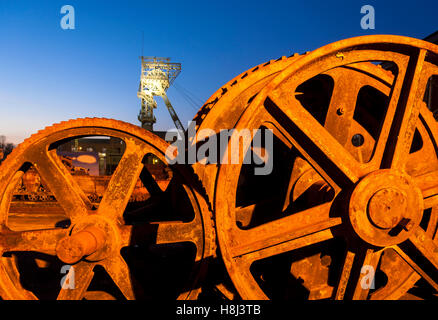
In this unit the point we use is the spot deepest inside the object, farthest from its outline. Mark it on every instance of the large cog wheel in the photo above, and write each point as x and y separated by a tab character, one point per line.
343	148
96	237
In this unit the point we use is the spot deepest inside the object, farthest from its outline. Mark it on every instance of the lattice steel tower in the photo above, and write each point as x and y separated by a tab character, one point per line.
157	74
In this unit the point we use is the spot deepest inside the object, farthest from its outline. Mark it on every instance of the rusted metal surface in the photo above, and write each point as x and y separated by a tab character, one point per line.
223	109
79	245
32	187
352	195
361	189
97	235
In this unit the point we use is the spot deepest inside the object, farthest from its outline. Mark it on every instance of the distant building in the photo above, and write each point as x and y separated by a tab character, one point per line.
109	150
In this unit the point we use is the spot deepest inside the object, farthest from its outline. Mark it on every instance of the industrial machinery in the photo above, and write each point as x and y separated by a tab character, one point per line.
157	74
104	239
32	188
349	210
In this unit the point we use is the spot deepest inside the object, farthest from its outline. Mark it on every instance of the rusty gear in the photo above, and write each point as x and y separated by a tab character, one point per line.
96	236
343	146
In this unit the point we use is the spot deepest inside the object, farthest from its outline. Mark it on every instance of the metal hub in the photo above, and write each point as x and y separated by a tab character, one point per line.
387	207
73	248
347	126
384	207
92	239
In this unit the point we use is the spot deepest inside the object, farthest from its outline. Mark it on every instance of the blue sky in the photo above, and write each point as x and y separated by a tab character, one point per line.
48	74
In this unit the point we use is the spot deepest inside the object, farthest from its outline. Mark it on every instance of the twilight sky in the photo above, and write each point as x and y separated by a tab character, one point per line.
48	74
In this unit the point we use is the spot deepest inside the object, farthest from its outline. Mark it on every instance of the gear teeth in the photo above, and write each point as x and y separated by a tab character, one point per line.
16	158
209	104
203	112
54	127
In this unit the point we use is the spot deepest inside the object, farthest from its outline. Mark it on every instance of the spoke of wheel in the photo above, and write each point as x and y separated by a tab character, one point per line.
342	104
118	270
164	232
68	194
80	276
403	122
313	140
431	201
173	232
279	132
126	235
5	203
357	274
122	182
421	253
429	188
43	241
300	165
149	182
294	244
283	231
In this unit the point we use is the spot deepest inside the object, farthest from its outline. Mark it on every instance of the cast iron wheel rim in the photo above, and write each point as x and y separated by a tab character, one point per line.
223	109
216	115
350	51
109	215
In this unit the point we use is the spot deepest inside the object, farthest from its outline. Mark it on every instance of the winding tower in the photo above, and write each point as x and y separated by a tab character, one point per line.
157	75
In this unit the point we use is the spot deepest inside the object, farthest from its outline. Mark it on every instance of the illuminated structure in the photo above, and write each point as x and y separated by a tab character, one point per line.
157	74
